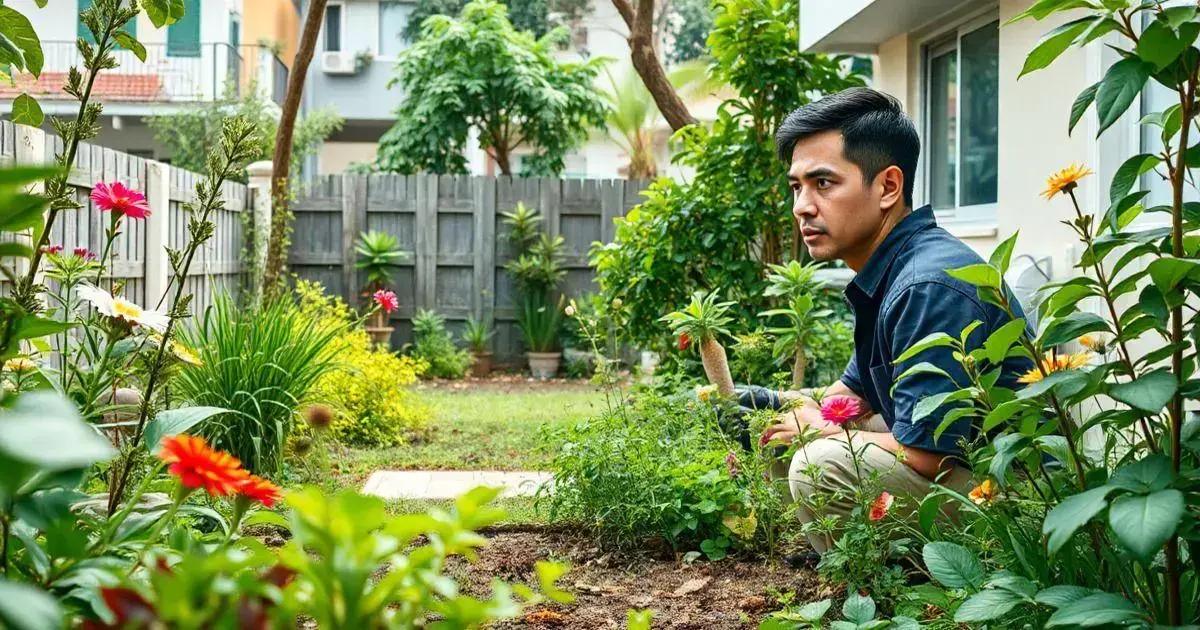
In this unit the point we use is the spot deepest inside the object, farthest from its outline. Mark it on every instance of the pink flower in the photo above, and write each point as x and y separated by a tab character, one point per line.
731	463
120	200
52	249
840	409
386	300
880	506
84	253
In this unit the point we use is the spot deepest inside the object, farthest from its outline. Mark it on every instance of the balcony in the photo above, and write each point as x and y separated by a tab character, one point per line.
208	72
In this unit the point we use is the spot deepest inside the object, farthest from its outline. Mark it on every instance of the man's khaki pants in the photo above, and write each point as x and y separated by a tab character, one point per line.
838	477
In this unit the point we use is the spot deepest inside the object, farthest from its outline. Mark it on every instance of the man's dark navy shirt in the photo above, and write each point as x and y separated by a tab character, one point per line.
902	295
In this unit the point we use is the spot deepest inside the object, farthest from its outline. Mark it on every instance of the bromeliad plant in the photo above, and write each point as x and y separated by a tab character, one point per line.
537	269
1118	512
701	322
796	284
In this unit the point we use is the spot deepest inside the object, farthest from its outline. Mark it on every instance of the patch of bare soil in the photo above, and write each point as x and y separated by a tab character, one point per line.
731	593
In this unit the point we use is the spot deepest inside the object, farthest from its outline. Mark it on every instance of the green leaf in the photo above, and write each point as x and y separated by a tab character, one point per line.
26	111
814	611
1159	44
1120	86
1002	255
1002	412
1007	448
997	344
933	340
163	12
130	43
40	418
1143	523
921	368
175	421
858	609
1128	173
1168	272
17	29
1062	594
21	211
1071	327
32	327
1065	383
1082	102
638	619
930	404
548	574
24	607
987	605
1042	8
979	274
1074	512
954	566
18	250
1098	609
18	175
1149	392
1054	44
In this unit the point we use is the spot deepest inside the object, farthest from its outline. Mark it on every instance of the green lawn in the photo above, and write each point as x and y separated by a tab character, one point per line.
478	426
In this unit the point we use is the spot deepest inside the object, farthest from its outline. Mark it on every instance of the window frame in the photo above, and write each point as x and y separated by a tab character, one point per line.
341	6
930	46
379	56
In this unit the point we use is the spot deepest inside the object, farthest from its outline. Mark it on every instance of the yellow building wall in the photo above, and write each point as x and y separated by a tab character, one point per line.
274	21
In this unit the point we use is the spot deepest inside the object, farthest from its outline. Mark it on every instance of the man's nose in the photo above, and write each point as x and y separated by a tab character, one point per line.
802	206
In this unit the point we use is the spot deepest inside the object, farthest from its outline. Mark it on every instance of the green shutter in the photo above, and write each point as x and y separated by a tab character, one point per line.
83	31
183	37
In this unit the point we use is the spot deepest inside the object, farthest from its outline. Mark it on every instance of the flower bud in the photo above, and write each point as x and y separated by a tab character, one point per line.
319	416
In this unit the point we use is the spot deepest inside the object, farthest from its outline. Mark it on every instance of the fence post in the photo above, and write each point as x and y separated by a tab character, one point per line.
483	303
158	231
258	189
354	220
30	150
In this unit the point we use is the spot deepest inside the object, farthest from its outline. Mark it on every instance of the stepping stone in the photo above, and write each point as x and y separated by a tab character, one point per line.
449	484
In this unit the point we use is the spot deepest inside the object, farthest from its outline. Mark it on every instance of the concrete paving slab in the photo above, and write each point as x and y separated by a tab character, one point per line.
448	484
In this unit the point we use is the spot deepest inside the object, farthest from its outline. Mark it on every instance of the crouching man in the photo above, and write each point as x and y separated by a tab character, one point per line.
853	159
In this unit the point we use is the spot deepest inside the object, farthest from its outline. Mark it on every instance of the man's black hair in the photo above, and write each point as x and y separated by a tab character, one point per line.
875	130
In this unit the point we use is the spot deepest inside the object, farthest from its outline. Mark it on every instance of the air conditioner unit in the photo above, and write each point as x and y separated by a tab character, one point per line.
338	62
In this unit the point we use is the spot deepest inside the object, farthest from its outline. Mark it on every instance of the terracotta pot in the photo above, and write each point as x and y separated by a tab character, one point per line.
544	365
482	365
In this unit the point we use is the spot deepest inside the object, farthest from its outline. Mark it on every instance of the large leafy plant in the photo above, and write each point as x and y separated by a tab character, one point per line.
1118	539
796	284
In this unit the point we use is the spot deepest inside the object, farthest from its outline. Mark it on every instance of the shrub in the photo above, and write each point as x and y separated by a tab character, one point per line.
367	388
658	468
261	363
434	346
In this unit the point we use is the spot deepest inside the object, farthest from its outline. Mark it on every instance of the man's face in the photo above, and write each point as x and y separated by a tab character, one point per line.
840	214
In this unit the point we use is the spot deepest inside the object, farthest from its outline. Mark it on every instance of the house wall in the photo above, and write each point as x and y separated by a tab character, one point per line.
275	22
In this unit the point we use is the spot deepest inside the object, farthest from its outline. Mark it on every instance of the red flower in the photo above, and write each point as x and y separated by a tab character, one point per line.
52	249
200	466
840	409
84	253
119	199
386	300
128	606
880	506
731	464
258	489
684	341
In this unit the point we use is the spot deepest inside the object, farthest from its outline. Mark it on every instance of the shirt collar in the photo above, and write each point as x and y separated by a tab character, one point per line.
873	273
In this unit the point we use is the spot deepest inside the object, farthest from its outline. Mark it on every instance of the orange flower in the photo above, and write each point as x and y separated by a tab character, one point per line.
984	493
880	506
1095	342
258	489
197	465
1065	180
1054	362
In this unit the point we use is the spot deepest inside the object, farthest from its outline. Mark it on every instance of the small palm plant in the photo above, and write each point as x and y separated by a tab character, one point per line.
796	283
524	227
477	335
702	321
378	254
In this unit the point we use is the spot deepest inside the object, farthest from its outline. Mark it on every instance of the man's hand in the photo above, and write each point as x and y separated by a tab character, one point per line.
786	430
807	417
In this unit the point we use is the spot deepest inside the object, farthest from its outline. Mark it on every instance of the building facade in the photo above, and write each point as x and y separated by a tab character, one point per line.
198	59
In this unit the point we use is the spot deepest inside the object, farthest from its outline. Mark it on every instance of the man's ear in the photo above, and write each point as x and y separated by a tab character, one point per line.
891	182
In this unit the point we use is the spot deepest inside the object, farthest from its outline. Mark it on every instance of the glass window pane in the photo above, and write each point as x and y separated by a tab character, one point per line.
333	27
980	114
943	119
393	18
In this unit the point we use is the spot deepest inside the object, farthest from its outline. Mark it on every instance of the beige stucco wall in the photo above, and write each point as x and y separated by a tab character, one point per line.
275	21
336	156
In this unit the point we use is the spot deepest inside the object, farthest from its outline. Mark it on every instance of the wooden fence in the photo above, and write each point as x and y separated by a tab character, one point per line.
453	229
139	259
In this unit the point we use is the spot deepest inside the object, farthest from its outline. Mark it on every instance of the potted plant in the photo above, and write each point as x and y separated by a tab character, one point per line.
378	254
537	270
477	335
700	322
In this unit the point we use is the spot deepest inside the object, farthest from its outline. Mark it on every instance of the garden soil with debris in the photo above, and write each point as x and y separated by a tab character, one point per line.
731	593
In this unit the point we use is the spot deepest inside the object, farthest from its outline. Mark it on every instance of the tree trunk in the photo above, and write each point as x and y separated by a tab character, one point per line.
799	367
502	162
646	63
716	366
282	160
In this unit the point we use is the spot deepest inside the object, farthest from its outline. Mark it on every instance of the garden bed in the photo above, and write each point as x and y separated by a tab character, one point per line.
733	593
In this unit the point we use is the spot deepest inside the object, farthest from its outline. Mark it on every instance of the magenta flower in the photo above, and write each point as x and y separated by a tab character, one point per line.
880	506
120	200
840	409
386	300
84	253
52	249
731	463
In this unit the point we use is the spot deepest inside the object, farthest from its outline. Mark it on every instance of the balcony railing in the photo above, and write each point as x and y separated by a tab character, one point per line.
204	73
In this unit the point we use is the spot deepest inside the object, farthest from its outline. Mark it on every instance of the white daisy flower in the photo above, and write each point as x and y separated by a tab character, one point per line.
120	308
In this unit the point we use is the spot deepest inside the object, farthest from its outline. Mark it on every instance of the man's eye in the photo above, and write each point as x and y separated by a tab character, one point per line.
823	183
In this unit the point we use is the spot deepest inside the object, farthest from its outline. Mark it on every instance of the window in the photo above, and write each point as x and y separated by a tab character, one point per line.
183	37
393	19
333	27
86	34
962	118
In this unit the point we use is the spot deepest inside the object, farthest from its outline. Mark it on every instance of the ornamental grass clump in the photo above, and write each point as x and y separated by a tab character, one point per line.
701	322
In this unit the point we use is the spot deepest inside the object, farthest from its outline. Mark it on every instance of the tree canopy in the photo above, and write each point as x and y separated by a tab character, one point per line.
479	72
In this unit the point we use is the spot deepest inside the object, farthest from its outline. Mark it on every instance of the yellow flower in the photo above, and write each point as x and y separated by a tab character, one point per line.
1054	362
706	393
184	353
1065	180
984	493
1095	342
19	364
